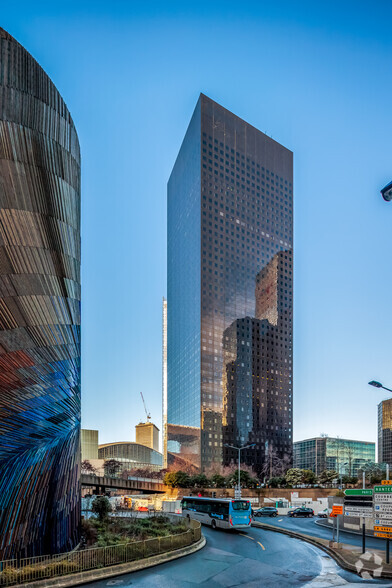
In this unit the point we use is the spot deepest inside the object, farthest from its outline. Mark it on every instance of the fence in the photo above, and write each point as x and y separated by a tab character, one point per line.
30	569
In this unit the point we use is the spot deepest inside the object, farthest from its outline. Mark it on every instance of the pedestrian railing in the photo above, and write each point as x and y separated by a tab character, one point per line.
31	569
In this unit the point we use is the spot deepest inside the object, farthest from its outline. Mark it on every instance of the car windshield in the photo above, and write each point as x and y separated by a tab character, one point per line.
240	505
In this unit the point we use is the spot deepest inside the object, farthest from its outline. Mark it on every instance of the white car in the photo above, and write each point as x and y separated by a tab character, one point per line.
323	514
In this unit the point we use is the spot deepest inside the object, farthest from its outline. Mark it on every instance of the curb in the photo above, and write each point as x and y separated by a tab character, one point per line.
104	573
319	543
343	530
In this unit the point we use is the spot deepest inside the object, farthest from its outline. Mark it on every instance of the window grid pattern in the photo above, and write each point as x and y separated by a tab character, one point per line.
243	268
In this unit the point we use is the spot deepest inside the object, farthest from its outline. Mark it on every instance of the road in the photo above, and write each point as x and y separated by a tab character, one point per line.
310	527
254	558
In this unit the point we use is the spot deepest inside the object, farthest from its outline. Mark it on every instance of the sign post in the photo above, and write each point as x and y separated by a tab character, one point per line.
383	513
359	503
337	509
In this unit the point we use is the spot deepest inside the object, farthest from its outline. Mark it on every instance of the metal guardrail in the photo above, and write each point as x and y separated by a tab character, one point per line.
30	569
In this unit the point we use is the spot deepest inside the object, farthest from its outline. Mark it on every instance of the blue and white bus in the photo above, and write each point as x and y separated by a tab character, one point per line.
224	513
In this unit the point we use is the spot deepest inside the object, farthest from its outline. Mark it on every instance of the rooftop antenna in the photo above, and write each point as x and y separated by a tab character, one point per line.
148	415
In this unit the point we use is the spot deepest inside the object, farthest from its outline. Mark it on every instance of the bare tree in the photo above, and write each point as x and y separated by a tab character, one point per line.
88	468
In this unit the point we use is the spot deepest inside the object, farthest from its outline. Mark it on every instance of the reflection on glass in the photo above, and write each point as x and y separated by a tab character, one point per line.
230	278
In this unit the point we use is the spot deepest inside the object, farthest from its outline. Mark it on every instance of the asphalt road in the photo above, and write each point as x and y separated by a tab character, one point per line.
309	526
254	558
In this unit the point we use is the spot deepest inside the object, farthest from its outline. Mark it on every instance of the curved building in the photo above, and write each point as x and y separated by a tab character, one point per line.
39	311
134	454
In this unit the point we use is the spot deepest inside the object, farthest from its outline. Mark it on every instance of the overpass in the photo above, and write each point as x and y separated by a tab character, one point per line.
100	484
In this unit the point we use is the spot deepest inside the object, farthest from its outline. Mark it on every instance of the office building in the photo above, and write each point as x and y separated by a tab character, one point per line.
89	444
385	431
230	293
164	380
40	312
344	456
147	434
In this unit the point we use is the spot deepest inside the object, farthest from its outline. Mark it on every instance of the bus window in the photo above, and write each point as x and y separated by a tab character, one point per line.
240	505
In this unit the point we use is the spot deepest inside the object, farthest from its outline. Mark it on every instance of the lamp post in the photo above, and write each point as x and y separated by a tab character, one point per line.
386	192
379	385
239	449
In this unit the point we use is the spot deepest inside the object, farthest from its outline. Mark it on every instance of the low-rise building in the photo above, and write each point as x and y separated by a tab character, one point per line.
131	455
345	456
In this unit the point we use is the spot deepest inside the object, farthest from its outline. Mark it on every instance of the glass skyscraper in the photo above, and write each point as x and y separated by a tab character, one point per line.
39	311
230	293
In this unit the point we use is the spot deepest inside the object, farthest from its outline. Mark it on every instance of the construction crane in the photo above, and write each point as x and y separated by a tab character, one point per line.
148	415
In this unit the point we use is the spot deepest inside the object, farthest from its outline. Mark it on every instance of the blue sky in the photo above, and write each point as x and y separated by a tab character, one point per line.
314	76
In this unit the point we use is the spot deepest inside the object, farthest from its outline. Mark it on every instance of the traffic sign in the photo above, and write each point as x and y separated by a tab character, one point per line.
383	529
382	489
367	514
387	508
386	482
337	509
383	498
383	535
359	492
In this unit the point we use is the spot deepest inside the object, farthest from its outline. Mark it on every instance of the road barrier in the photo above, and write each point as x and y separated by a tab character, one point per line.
30	569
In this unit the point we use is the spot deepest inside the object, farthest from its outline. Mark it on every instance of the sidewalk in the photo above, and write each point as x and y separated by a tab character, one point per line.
323	523
370	564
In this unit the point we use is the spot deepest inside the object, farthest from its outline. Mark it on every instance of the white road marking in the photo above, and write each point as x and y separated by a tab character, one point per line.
328	576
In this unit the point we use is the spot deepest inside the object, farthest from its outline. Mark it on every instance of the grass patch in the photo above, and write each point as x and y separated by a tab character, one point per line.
116	531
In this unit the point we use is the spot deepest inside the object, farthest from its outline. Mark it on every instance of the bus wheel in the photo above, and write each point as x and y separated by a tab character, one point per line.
213	524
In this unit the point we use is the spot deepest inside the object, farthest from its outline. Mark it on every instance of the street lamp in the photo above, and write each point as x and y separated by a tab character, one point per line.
378	385
386	192
239	449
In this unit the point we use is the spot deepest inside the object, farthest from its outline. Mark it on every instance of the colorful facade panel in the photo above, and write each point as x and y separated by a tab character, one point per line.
39	311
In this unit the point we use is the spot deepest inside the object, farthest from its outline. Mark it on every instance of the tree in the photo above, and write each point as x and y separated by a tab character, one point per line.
111	467
101	507
199	481
328	476
246	480
309	477
294	476
88	468
218	481
177	479
277	482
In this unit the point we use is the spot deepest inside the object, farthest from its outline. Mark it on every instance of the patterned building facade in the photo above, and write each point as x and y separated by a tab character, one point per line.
385	431
230	293
39	311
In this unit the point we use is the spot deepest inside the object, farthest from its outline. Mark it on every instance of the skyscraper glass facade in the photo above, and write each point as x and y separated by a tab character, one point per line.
230	296
39	311
385	431
345	456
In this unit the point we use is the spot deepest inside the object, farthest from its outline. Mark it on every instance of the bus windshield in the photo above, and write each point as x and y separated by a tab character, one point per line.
240	505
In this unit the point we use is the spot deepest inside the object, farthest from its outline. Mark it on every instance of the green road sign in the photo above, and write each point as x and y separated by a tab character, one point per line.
383	489
362	491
